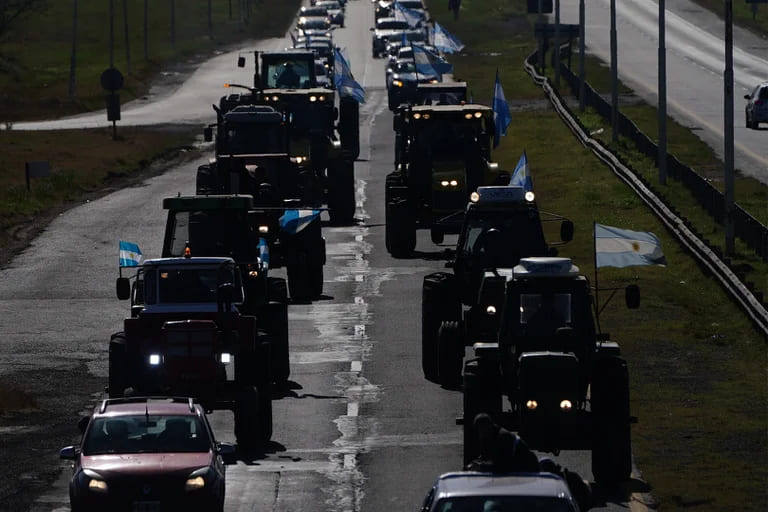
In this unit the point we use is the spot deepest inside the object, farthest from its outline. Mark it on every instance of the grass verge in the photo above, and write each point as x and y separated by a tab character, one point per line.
697	367
35	55
743	14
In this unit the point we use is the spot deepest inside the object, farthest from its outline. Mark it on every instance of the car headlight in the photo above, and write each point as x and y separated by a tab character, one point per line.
397	83
194	483
529	196
95	482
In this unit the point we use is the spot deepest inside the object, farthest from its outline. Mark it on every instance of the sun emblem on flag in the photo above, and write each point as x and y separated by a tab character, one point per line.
635	246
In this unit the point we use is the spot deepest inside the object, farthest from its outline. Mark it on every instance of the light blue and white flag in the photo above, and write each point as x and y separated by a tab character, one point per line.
264	252
410	16
343	80
130	254
445	41
429	63
501	115
294	221
522	175
616	247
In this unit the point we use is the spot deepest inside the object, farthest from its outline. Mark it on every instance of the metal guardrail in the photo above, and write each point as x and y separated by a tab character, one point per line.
753	233
708	257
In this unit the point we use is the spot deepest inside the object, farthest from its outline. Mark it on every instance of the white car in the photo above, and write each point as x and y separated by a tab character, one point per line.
469	491
757	106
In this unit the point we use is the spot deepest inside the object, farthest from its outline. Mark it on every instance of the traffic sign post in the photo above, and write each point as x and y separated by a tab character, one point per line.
112	80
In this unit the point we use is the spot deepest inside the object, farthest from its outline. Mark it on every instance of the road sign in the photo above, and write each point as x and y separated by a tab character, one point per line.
533	6
548	29
112	79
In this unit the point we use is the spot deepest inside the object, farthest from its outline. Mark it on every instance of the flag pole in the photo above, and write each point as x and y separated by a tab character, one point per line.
594	252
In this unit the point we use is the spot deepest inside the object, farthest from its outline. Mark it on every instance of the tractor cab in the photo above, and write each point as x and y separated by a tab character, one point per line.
441	93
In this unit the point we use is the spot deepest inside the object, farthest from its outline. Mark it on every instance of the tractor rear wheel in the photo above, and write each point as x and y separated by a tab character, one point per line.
341	192
247	419
400	229
450	353
611	444
275	322
118	366
298	278
480	395
207	181
439	301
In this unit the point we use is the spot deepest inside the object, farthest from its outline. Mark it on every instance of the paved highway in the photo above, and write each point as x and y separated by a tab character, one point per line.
361	429
695	63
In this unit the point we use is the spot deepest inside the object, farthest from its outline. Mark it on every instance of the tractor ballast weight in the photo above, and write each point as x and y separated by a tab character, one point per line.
185	329
442	154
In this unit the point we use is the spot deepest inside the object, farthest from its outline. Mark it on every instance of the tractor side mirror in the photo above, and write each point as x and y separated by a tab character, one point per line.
227	452
225	296
632	296
241	61
397	122
208	134
82	424
123	288
566	231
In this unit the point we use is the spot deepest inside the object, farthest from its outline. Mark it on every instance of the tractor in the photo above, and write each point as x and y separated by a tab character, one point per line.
187	337
542	367
442	154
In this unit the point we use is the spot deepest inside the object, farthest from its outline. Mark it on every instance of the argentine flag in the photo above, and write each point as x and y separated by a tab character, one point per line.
501	115
428	63
522	175
445	41
616	247
343	80
294	221
130	254
264	252
410	16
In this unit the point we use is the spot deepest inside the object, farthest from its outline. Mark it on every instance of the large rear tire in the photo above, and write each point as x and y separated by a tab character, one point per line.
247	418
118	366
480	395
611	444
349	128
298	278
400	230
439	302
207	181
450	353
341	192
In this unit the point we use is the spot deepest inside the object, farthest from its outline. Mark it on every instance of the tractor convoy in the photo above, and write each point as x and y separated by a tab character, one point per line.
513	325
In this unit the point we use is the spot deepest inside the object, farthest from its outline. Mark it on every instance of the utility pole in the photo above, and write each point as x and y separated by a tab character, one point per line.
230	10
111	33
557	44
146	30
662	94
210	20
614	77
728	129
127	38
541	39
582	48
73	57
173	24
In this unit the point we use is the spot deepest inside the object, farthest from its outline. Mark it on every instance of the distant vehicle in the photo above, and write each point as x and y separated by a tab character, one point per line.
147	454
489	492
335	11
757	106
313	25
386	29
402	82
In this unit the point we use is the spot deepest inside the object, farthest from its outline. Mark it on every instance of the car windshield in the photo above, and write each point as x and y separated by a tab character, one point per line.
330	5
146	434
288	74
519	234
405	67
391	24
503	504
317	23
314	11
189	284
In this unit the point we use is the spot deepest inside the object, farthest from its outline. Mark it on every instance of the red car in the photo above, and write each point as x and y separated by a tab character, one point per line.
148	455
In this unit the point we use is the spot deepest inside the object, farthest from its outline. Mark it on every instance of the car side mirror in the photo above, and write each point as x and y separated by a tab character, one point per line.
68	453
123	288
372	29
632	296
82	424
241	61
227	452
208	134
566	231
747	97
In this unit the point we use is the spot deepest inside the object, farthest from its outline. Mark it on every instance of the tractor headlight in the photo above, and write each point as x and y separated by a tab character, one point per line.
478	115
154	359
434	81
321	98
474	197
444	183
312	98
454	183
275	98
417	116
530	196
426	116
264	229
253	273
225	358
467	116
491	310
531	405
397	83
566	405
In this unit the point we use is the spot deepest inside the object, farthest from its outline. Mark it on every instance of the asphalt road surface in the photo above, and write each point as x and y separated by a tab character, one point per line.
695	64
361	429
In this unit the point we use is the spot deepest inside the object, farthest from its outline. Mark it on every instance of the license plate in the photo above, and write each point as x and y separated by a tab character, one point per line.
146	506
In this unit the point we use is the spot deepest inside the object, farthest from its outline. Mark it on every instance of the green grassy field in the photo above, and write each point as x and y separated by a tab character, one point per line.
697	367
742	14
35	56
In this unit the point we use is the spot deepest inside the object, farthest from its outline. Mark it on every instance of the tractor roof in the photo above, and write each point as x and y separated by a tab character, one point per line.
540	267
199	262
449	111
289	54
253	114
188	203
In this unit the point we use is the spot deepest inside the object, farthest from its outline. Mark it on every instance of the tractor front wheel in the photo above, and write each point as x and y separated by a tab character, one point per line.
118	366
450	353
609	400
400	229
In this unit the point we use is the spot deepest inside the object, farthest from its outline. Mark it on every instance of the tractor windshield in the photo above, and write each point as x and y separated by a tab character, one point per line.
261	138
289	74
445	139
189	284
518	234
